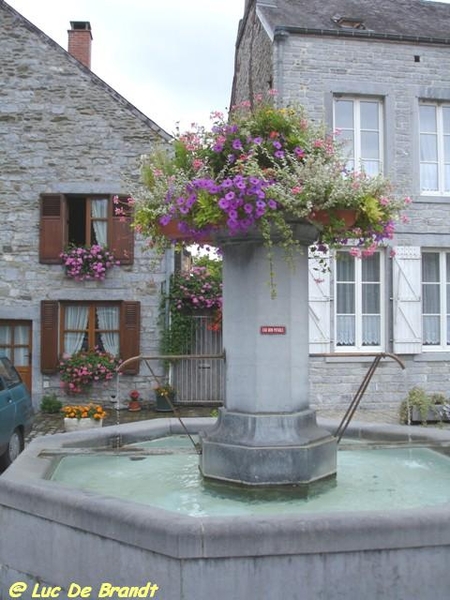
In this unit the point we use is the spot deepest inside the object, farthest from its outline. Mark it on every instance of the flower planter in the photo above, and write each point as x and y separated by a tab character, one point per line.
324	217
162	402
172	232
435	414
81	424
134	406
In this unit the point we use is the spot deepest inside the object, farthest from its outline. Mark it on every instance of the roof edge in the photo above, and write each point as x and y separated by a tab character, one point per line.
110	90
281	30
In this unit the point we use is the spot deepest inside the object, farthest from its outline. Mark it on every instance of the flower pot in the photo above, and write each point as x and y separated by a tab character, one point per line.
324	217
434	414
172	232
162	402
81	424
134	406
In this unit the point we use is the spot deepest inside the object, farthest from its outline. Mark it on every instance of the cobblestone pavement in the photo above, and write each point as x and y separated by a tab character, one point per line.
47	424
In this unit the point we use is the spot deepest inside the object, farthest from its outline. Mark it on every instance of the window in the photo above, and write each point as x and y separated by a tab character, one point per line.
89	326
436	300
359	122
358	302
348	22
83	221
67	327
434	148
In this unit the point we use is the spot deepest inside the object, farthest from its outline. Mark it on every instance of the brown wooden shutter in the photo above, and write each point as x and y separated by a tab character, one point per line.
49	336
130	328
51	238
121	234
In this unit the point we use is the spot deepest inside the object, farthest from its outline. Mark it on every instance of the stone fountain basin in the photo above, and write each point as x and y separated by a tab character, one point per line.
60	537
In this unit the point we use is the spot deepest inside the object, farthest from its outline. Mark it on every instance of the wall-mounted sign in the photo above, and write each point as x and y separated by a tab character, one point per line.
272	330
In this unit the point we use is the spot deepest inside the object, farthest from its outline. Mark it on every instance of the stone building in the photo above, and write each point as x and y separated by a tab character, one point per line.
69	145
380	72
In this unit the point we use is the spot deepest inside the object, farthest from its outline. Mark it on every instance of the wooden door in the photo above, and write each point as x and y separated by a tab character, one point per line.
15	344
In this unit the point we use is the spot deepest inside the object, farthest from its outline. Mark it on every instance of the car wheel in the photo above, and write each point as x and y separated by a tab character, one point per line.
15	447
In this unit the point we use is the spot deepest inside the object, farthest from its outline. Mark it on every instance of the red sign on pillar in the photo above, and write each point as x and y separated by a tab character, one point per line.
272	330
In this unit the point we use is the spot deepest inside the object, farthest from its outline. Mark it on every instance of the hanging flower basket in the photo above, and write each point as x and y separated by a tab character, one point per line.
346	216
256	170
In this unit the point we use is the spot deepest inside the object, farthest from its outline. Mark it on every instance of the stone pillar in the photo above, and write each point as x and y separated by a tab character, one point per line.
266	434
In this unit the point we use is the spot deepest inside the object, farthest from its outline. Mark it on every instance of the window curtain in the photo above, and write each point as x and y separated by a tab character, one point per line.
99	210
21	349
108	320
371	302
431	301
345	300
5	341
76	318
428	149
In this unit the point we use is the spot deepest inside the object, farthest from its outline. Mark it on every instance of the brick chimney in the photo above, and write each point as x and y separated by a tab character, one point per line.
80	38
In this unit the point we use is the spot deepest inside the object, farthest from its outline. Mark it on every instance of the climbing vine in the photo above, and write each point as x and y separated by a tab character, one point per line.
195	291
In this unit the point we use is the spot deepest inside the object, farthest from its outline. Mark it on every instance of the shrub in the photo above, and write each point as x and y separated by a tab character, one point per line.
50	404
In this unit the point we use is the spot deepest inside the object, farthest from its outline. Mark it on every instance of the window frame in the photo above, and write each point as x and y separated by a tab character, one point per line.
440	162
444	309
356	154
91	330
358	299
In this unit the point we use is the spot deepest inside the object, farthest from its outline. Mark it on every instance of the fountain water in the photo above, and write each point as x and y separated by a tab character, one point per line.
62	537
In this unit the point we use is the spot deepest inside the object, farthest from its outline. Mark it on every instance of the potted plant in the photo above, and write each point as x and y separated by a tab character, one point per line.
83	416
87	262
420	407
50	404
258	172
165	397
134	403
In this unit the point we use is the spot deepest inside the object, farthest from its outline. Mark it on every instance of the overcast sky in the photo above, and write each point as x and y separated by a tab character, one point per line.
172	59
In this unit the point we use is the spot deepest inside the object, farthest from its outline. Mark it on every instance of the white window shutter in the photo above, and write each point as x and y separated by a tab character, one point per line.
319	305
407	288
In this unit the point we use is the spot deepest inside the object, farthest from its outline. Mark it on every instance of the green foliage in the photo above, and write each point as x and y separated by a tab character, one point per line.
190	292
50	404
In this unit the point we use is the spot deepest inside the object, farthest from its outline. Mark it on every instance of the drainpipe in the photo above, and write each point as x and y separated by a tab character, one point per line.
280	37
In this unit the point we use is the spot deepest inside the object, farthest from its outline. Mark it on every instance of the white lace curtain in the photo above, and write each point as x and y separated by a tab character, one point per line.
108	321
76	324
76	319
99	210
346	302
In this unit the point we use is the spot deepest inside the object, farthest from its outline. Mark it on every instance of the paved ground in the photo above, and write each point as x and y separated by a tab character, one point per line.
46	424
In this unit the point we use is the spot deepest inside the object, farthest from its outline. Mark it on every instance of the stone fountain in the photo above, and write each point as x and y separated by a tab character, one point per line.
62	542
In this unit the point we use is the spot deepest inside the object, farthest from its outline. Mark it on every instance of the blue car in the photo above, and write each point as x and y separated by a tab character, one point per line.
16	413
